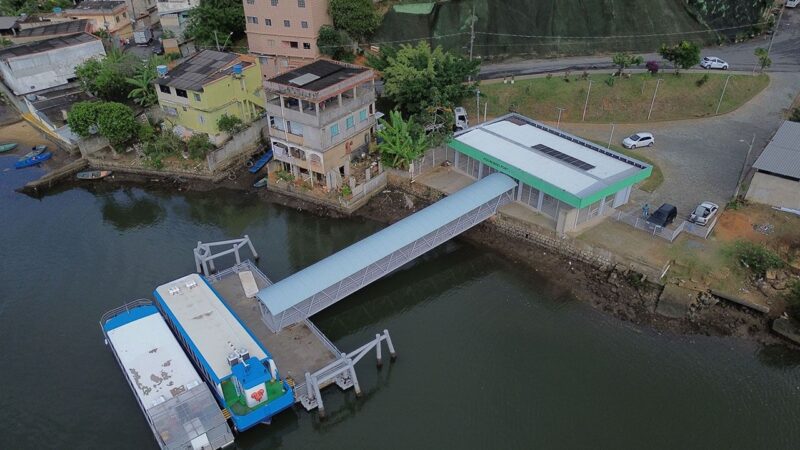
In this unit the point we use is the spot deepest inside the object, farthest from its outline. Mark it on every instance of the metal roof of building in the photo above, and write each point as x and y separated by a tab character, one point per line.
8	22
46	45
559	159
201	69
318	75
92	6
782	154
72	26
212	328
295	288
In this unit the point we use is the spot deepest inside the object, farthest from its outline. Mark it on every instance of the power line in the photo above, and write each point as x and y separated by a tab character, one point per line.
629	36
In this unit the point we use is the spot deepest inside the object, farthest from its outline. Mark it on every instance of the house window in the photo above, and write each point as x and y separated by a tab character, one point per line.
274	2
181	93
116	19
270	42
268	22
306	46
164	89
252	19
276	122
251	2
350	122
301	3
362	115
124	14
287	23
201	119
304	24
334	130
196	97
293	44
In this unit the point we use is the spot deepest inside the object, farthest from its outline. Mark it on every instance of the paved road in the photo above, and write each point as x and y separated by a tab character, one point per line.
785	54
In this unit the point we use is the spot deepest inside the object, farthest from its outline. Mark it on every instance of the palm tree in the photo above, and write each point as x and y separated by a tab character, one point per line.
403	142
144	91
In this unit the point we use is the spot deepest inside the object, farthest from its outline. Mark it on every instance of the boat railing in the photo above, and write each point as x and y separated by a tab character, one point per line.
124	308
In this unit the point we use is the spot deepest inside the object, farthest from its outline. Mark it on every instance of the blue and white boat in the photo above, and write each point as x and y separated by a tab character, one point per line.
33	160
241	372
179	407
261	162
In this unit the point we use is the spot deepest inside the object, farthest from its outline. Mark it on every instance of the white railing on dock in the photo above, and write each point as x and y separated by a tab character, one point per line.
342	372
204	256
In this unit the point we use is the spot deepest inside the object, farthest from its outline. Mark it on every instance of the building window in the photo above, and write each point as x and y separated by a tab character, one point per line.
287	23
164	89
304	24
124	14
301	3
362	115
252	19
350	122
268	22
293	44
334	130
201	119
274	2
181	93
196	97
251	2
306	46
116	19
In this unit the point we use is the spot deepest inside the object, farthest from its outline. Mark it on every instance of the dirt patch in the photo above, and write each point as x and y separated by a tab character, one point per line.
735	225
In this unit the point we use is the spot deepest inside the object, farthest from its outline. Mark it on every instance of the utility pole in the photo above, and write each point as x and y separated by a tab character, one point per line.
586	105
226	41
472	20
744	168
654	98
723	93
611	136
478	103
560	110
216	40
775	31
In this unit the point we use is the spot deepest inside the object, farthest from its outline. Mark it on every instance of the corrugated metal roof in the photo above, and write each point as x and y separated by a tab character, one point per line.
8	22
323	274
46	45
327	74
201	69
782	154
73	26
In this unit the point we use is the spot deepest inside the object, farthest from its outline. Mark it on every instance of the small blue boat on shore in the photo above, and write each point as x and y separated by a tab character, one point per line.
261	162
33	160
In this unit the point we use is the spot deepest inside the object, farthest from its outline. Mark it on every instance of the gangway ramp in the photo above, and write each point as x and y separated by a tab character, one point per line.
324	283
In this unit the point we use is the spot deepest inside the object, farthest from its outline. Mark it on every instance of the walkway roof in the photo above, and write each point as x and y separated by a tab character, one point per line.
304	284
564	166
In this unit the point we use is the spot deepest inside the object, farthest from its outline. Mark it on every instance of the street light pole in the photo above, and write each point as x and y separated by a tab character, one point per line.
723	94
478	104
744	167
560	110
585	105
610	136
654	98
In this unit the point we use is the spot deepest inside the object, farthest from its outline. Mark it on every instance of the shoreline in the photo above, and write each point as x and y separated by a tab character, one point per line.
613	290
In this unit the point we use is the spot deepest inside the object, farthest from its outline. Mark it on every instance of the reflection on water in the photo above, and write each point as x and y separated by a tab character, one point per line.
128	208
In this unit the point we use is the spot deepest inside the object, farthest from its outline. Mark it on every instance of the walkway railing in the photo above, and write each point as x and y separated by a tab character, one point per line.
669	234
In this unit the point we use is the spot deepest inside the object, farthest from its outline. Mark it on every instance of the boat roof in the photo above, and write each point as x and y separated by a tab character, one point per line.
152	359
213	330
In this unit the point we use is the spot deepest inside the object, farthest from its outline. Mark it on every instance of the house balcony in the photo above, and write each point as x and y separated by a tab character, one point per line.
329	111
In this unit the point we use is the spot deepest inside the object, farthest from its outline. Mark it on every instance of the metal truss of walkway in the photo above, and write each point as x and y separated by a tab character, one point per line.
324	283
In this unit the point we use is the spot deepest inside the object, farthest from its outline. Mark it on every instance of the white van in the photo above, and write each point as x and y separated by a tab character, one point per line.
792	3
461	121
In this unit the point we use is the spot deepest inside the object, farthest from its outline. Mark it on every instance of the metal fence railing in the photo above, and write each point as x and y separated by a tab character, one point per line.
363	190
669	234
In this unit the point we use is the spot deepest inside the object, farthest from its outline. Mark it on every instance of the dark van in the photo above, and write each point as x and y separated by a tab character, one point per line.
663	216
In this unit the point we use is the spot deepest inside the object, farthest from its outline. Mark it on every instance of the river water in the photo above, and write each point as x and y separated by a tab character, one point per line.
490	354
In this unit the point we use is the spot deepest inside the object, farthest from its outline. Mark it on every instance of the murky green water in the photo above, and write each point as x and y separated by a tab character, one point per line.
491	356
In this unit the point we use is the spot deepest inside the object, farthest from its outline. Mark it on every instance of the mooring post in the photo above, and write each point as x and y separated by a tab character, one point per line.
378	350
197	262
356	386
392	354
318	394
252	248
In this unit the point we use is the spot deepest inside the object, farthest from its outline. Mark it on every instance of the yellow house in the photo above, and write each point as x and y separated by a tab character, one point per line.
197	92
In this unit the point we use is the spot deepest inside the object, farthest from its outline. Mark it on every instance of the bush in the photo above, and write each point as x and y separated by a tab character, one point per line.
284	175
346	191
230	124
199	145
756	257
795	117
165	143
146	132
702	80
652	67
610	81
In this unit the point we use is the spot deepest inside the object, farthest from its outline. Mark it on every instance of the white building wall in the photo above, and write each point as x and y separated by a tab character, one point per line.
31	73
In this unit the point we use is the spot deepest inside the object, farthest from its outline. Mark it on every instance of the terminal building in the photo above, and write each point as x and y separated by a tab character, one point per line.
570	180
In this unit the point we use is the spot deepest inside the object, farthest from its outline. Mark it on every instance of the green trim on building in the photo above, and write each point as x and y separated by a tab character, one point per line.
549	189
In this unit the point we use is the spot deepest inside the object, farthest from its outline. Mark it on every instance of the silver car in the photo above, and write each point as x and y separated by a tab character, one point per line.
640	139
712	62
703	214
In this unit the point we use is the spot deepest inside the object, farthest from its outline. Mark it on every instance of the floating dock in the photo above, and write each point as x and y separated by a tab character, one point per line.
243	374
179	407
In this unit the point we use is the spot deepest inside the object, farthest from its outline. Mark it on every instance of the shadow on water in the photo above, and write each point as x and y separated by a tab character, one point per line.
127	209
779	356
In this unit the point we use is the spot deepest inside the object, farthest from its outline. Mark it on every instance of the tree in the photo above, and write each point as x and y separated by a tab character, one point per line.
144	90
106	78
229	124
402	141
416	78
624	60
82	117
763	58
225	17
682	56
199	145
334	43
652	67
356	17
116	122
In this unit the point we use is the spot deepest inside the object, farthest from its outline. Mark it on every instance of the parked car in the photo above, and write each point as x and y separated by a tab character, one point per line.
663	216
703	214
792	3
158	48
461	120
640	139
712	62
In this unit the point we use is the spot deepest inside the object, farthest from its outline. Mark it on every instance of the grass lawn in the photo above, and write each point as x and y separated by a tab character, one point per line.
626	101
656	177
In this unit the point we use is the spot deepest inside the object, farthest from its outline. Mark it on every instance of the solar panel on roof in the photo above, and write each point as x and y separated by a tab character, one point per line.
563	157
303	80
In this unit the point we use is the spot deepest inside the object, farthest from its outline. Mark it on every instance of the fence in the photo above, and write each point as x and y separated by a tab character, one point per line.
669	234
430	159
362	192
238	145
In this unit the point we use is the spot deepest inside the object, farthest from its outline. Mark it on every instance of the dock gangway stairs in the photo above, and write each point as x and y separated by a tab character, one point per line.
324	283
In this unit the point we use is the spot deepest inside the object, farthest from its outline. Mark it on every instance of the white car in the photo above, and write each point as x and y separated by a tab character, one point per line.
792	3
703	213
461	121
637	140
712	62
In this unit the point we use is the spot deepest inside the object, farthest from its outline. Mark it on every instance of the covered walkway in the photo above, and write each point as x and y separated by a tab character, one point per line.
322	284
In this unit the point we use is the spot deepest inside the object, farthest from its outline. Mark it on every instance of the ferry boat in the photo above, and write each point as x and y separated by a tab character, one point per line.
240	371
179	407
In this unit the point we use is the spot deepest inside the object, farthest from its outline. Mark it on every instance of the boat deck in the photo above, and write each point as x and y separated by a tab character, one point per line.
297	349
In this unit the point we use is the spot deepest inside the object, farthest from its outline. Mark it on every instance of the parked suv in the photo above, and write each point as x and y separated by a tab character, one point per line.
703	213
637	140
663	216
712	62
